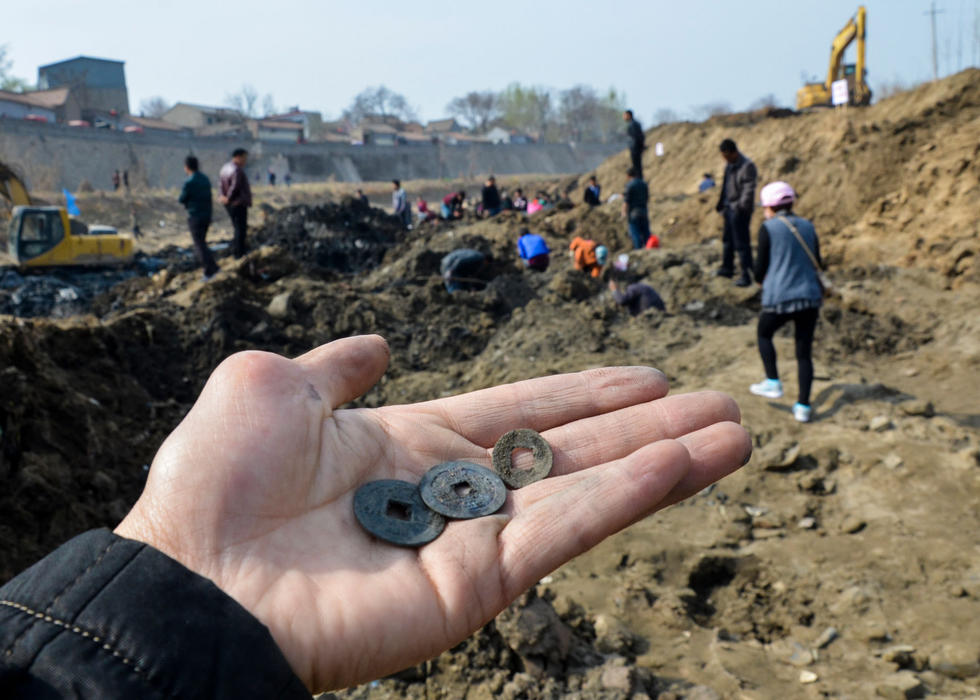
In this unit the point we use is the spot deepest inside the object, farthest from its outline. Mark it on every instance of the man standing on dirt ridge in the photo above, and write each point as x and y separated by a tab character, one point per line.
635	133
735	204
236	195
196	198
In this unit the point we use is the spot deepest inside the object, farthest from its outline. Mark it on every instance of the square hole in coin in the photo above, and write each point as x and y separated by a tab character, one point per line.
398	510
462	489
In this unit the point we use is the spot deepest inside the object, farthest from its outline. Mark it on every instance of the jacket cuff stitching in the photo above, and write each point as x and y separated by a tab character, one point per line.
78	578
79	631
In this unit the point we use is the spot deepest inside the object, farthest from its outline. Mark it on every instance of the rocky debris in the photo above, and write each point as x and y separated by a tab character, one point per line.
880	424
903	685
852	524
918	407
281	305
807	677
778	455
612	635
956	660
825	638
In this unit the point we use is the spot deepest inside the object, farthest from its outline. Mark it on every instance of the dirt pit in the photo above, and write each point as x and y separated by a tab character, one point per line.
842	561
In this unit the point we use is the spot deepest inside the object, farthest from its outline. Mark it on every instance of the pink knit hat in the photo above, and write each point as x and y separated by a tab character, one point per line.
776	193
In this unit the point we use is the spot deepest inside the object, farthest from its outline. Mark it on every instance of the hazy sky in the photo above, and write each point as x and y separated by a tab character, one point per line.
319	54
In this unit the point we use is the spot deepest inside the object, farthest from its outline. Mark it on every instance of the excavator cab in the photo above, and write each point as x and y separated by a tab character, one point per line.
47	236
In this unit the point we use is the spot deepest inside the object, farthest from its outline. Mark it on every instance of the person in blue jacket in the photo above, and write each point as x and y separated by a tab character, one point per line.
533	250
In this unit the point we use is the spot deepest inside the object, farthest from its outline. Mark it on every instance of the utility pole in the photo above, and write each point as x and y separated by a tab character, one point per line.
935	56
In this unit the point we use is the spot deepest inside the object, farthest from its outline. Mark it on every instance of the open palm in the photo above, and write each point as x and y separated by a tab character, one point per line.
254	490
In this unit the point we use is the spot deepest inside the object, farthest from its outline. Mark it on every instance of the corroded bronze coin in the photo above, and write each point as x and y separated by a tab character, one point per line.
529	439
462	490
393	511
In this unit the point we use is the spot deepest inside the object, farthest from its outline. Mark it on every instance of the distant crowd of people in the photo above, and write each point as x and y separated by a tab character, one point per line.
787	261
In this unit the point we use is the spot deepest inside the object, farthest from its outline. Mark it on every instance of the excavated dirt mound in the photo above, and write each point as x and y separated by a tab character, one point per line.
840	562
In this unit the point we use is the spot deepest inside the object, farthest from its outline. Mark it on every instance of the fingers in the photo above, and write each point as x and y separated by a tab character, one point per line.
559	518
716	451
616	434
483	416
344	369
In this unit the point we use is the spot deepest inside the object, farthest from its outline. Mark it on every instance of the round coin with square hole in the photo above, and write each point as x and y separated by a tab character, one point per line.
393	511
462	490
528	439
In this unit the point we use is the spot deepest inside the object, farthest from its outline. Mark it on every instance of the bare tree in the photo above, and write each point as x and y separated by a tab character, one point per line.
764	102
268	105
475	109
245	100
7	81
154	107
665	115
712	109
379	101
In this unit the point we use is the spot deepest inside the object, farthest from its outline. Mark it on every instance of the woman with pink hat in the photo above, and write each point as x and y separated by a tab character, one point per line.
786	264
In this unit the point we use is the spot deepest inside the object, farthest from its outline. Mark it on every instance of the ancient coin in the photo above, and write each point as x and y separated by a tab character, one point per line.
529	439
393	511
462	490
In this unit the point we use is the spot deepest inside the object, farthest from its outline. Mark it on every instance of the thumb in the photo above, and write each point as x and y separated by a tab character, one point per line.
344	369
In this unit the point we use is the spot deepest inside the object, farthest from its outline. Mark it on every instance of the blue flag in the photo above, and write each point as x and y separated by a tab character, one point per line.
70	203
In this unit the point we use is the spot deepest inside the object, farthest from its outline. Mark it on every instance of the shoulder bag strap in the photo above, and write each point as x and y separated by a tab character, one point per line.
813	258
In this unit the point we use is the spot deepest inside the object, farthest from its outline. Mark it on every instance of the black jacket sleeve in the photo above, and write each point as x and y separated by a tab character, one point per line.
762	254
107	617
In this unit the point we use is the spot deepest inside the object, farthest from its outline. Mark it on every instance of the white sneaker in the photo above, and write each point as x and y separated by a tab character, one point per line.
802	412
770	388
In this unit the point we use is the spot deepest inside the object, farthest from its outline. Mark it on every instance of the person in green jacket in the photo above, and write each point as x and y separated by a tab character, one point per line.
196	198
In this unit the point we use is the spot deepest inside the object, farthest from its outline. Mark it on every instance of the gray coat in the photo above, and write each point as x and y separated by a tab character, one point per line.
738	188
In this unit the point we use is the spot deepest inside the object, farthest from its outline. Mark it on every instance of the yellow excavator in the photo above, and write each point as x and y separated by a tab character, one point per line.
46	236
819	94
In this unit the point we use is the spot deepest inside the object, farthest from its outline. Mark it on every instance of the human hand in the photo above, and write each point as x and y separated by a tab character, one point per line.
222	199
254	491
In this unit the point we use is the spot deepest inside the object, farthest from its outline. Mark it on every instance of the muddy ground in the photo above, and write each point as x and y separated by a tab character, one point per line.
843	561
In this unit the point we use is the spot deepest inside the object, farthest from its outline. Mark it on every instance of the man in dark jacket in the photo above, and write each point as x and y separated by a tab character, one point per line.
592	196
196	198
242	573
491	197
236	195
735	204
635	133
635	208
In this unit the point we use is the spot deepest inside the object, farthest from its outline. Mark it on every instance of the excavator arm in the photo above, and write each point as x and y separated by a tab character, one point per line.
843	39
12	188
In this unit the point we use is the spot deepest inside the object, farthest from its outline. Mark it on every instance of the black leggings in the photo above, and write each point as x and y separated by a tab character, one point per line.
804	324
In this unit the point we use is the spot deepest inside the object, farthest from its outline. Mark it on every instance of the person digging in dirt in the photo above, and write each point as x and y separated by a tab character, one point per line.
786	265
533	251
490	197
636	297
399	202
236	194
635	200
585	255
635	134
462	269
195	195
735	204
592	196
241	571
362	198
452	205
520	201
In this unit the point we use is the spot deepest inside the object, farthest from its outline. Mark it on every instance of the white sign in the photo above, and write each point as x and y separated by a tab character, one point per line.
659	149
838	93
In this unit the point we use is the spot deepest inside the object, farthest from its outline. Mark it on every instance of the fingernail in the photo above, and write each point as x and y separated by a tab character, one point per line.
747	457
